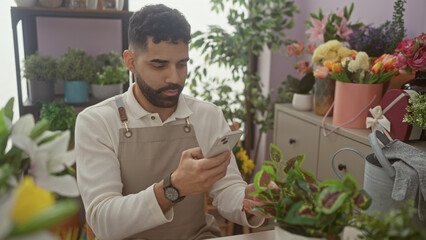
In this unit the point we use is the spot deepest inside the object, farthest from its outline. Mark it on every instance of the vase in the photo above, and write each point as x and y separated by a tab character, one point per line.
102	92
302	102
396	82
352	102
76	92
417	84
323	95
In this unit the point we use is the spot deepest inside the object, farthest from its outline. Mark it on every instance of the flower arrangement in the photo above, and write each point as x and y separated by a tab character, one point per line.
245	164
334	26
35	171
375	41
300	204
357	70
411	54
333	51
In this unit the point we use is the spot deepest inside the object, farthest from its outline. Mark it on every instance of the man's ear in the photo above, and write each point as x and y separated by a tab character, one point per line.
129	60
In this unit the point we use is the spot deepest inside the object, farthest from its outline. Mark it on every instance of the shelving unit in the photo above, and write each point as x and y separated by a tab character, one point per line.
28	18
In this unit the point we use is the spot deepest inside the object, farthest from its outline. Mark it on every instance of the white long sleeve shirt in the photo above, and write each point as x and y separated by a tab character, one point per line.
114	216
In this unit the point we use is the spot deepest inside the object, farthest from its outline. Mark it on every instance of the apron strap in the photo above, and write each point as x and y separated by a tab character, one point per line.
123	115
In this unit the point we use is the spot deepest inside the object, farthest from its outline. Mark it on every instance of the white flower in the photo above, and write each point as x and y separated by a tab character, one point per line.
47	158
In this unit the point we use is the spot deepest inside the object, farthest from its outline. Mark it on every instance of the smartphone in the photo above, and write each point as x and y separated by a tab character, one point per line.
224	143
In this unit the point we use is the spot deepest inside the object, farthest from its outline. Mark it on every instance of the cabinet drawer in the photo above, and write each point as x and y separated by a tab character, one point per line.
294	137
350	161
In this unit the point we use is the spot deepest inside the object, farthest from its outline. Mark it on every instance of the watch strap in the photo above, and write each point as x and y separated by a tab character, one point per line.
167	183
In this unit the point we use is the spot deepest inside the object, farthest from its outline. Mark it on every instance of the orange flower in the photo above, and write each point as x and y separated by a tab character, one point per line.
336	67
321	72
377	67
353	54
388	64
328	64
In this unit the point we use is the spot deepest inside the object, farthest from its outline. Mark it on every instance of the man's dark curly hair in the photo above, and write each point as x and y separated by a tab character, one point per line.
160	22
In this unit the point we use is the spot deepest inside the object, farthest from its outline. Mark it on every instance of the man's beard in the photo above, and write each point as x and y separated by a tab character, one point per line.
154	95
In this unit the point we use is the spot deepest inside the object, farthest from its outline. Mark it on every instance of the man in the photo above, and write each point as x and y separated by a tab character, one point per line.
140	165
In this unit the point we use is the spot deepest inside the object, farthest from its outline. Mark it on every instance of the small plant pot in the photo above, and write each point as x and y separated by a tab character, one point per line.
76	91
102	92
41	91
302	102
26	3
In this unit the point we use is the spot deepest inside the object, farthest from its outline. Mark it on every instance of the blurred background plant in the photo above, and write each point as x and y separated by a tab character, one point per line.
245	164
416	112
254	26
110	69
37	182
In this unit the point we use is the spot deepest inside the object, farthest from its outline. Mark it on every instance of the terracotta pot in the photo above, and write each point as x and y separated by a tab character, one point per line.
352	102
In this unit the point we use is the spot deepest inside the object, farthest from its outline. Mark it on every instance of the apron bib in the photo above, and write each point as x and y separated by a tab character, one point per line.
146	156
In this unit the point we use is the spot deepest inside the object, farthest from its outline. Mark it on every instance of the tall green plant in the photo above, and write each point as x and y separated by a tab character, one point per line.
397	25
254	26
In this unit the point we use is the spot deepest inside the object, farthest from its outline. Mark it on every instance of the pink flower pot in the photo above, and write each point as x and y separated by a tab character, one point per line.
352	102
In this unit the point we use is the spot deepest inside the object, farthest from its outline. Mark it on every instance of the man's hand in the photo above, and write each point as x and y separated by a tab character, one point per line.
197	174
250	201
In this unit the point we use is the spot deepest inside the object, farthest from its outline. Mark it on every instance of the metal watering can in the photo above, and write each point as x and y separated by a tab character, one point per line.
378	176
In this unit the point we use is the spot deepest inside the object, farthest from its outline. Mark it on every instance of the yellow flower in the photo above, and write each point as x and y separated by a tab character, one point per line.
30	200
344	52
319	54
331	56
334	45
248	166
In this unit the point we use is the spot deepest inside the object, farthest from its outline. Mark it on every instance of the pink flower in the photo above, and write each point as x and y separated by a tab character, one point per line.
406	47
343	31
418	61
295	49
303	67
340	13
400	61
318	29
321	72
312	48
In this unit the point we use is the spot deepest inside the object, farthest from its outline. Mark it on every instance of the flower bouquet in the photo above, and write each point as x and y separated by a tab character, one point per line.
35	177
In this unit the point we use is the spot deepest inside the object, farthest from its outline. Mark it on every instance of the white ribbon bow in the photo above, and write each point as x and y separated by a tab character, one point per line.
378	122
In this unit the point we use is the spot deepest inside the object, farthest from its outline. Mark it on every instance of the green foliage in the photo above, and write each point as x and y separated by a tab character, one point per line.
416	111
397	25
76	65
110	69
303	206
60	116
394	225
255	25
40	68
302	86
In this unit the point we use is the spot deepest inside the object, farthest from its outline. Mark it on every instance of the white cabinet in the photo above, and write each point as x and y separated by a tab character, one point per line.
297	132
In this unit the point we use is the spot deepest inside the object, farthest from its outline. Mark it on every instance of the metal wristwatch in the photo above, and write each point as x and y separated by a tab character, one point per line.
171	193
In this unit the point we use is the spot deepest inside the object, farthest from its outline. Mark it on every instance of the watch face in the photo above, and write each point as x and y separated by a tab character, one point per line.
171	194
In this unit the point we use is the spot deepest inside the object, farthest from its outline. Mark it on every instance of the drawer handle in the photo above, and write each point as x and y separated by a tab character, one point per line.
291	141
341	167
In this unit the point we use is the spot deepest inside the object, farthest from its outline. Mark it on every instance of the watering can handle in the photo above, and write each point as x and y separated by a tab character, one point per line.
341	150
378	152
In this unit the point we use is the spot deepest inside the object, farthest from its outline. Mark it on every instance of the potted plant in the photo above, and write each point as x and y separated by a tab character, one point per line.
302	98
111	74
302	206
77	69
40	72
416	115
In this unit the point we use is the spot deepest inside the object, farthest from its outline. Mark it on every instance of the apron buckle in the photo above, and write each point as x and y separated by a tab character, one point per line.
187	128
128	133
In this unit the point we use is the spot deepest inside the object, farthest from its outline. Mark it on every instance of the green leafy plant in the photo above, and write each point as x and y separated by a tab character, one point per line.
397	25
60	116
394	225
76	65
416	111
301	86
254	25
40	68
303	206
110	69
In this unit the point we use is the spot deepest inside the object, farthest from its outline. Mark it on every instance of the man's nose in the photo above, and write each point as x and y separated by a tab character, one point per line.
173	76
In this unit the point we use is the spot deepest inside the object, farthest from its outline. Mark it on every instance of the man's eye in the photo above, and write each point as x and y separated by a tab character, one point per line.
158	66
183	65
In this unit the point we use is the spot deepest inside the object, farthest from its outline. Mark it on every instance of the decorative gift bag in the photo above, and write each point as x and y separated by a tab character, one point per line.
388	116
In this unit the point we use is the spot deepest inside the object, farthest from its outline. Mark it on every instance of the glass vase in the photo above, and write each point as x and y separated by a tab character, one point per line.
323	95
418	84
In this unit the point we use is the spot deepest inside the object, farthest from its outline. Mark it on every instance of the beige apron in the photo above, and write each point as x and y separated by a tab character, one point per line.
146	156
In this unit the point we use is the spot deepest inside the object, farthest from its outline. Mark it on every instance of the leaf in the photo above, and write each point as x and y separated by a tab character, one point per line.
47	218
350	185
308	176
4	132
289	164
330	199
275	153
8	109
261	180
39	128
301	214
362	200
